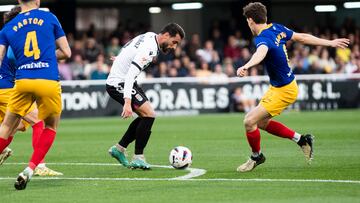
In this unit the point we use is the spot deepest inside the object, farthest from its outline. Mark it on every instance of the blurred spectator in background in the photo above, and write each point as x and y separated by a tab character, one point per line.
98	69
225	47
326	64
343	54
241	102
351	66
114	48
229	67
192	69
183	71
161	70
92	50
204	70
232	49
193	46
64	71
78	68
218	76
208	54
218	42
245	57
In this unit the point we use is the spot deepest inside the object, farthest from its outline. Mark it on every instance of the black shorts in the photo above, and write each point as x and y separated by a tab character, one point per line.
138	96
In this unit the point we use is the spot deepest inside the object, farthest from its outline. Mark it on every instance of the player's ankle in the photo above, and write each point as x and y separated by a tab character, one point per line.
120	148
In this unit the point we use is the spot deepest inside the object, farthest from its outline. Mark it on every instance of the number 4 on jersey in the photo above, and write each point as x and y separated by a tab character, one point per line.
31	39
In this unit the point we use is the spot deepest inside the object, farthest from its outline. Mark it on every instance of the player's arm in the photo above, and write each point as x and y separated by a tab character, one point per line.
2	53
134	71
63	51
256	58
312	40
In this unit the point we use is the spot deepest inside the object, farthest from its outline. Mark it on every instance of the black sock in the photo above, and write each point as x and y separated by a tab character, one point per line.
130	133
302	141
143	132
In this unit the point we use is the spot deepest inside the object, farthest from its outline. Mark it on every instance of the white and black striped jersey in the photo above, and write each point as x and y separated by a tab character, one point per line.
134	57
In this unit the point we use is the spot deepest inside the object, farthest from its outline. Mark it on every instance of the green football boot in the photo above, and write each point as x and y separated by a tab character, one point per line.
119	156
139	163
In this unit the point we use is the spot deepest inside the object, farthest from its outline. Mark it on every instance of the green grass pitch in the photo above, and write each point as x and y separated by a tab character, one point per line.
218	145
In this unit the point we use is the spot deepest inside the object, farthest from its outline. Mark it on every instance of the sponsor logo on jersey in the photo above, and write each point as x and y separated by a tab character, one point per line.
139	97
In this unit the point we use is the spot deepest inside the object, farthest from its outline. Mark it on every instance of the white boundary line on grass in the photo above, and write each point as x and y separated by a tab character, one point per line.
194	172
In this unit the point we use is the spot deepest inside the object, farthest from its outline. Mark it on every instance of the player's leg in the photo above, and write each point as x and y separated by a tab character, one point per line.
7	130
280	99
48	98
118	151
31	118
7	152
253	136
4	97
143	132
279	129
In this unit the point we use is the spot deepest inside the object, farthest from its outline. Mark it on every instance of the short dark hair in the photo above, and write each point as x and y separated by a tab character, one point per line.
173	29
256	11
11	14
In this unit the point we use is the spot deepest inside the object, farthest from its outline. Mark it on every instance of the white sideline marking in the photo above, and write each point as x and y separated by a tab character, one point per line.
194	172
195	180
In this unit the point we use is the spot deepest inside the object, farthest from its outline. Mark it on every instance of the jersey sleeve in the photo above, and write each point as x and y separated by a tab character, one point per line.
289	33
262	41
58	31
3	39
142	59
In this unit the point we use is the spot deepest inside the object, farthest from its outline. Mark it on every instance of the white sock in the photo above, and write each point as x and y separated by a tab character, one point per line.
256	154
296	137
28	171
139	156
42	165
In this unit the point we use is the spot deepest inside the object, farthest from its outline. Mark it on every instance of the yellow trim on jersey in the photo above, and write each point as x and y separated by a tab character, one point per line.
28	10
276	99
267	27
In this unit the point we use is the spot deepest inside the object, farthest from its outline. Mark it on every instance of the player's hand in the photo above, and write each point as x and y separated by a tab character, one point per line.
127	111
340	43
241	72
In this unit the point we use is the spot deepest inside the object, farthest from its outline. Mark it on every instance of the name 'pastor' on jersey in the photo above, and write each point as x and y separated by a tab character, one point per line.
32	35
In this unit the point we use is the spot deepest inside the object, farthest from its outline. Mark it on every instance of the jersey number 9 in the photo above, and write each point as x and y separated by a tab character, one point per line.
31	39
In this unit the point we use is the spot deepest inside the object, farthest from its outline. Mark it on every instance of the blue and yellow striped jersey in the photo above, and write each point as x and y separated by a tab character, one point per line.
32	36
7	70
276	61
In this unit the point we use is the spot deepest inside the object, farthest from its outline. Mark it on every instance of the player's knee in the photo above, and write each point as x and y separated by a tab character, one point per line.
249	122
262	124
150	114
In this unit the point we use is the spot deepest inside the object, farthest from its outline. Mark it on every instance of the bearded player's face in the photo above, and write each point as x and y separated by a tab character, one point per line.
170	44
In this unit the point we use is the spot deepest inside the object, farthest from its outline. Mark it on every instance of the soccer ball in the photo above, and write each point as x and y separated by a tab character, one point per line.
180	157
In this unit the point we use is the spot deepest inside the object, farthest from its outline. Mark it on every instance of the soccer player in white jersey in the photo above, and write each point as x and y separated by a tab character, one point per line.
121	85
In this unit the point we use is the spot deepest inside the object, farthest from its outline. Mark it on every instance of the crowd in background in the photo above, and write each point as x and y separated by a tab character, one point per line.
217	56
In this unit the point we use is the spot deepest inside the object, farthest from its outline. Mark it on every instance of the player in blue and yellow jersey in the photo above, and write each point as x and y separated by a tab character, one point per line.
270	47
7	80
34	36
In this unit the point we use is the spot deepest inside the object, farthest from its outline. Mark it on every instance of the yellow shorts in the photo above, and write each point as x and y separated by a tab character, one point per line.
276	99
5	95
46	93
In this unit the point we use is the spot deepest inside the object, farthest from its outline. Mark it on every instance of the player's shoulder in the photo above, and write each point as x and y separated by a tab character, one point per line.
45	14
150	41
280	27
